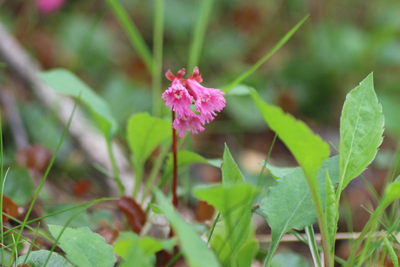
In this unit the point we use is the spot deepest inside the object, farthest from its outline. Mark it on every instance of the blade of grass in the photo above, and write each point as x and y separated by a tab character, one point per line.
133	33
157	56
45	174
199	33
266	57
312	244
33	242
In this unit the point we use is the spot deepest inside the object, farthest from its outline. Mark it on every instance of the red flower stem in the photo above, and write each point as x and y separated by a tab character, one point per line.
175	178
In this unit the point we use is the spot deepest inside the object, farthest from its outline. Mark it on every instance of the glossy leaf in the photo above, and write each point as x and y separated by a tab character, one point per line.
132	210
38	259
194	249
145	133
185	158
234	203
83	247
361	129
308	148
231	173
19	186
67	83
289	203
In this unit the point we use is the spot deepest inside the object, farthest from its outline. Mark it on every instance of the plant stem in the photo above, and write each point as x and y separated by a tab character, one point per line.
175	179
121	187
313	245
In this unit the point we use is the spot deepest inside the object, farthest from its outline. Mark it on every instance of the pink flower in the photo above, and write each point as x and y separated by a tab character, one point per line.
49	6
184	92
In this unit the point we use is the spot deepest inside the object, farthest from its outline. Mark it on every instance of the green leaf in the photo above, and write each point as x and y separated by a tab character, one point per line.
145	133
278	172
83	247
289	202
67	83
331	212
234	203
81	220
38	259
194	249
361	129
248	252
230	171
308	149
184	158
128	248
19	186
392	193
289	259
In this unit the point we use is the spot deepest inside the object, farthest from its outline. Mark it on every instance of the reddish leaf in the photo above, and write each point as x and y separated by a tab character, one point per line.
204	211
25	265
34	158
110	235
82	188
134	213
10	208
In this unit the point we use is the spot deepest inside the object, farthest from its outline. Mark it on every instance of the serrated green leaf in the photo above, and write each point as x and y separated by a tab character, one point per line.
67	83
234	203
361	129
19	186
194	249
83	247
278	172
145	133
231	173
187	157
38	259
331	212
289	203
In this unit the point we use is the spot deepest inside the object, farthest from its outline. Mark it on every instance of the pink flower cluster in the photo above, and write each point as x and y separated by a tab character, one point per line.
183	93
49	6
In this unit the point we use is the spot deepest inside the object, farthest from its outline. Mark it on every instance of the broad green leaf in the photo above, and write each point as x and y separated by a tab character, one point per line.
83	247
278	172
187	157
194	249
81	220
361	129
230	171
392	193
289	259
128	248
289	202
234	203
308	149
67	83
145	133
331	212
19	186
38	259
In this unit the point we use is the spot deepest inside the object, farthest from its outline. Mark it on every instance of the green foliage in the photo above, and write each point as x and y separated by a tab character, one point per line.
330	212
19	186
81	220
39	258
185	158
83	247
278	172
289	203
234	203
145	133
230	171
289	259
248	252
128	248
361	129
194	249
67	83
